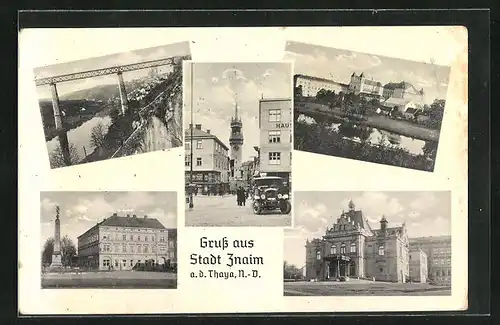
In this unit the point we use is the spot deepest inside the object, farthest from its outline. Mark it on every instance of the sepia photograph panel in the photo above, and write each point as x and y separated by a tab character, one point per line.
108	240
367	107
238	143
369	243
112	106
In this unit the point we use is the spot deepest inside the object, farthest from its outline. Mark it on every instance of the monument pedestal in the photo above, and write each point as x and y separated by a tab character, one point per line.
56	261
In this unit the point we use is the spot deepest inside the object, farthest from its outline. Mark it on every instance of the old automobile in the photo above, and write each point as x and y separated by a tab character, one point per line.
270	193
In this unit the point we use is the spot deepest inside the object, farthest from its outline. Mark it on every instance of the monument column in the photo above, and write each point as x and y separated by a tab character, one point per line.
123	93
56	255
55	107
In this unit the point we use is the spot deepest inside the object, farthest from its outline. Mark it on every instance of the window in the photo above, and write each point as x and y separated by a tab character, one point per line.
153	238
145	248
333	250
449	272
105	262
342	249
138	248
124	248
131	237
381	250
275	136
274	115
381	270
199	144
318	255
187	145
138	237
145	238
116	263
353	248
124	237
274	158
131	262
131	248
171	244
198	161
187	162
124	262
162	239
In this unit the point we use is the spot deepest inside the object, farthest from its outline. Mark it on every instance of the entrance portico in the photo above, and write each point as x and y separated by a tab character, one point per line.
339	265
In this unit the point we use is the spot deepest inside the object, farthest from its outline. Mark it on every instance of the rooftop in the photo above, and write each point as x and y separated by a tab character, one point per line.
392	101
128	221
201	134
318	79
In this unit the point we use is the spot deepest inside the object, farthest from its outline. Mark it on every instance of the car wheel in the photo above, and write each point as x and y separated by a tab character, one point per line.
285	207
257	208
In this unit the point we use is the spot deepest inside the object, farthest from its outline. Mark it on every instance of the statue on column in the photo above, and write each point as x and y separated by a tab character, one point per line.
56	255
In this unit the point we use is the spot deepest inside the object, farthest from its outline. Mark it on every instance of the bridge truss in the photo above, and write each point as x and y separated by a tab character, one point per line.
104	71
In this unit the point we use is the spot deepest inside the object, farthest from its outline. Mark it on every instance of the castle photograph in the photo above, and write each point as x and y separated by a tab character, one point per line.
238	143
376	243
367	107
108	240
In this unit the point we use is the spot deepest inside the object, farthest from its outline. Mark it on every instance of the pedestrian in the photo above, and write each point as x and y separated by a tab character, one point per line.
243	196
239	196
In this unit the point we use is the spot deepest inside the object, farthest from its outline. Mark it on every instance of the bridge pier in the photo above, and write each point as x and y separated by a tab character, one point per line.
123	93
55	107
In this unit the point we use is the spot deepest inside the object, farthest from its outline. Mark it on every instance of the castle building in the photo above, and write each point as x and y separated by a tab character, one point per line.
119	243
275	126
210	160
418	265
366	87
438	251
351	248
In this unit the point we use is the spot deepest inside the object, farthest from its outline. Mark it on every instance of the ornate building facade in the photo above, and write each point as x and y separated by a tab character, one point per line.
352	248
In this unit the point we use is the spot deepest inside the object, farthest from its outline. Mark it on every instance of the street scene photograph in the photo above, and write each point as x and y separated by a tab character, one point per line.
369	243
112	106
108	240
238	143
367	107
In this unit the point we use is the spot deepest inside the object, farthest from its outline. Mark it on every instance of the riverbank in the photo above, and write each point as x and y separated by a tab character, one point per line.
377	121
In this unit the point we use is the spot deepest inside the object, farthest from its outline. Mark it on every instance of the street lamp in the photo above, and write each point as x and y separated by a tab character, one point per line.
191	204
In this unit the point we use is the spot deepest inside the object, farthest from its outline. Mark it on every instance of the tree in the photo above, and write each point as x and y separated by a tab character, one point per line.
68	251
56	157
97	136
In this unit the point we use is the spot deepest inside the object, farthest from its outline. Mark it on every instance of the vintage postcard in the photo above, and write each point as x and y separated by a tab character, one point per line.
238	143
369	243
367	107
112	106
375	217
109	240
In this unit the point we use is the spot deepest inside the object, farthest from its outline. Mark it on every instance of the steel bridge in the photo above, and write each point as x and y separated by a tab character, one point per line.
118	70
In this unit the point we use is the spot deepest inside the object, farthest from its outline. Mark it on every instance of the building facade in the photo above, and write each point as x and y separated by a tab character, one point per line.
119	243
275	126
438	251
309	86
210	161
418	266
361	85
403	90
351	248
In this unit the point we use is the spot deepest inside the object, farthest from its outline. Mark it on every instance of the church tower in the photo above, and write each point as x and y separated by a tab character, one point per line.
236	140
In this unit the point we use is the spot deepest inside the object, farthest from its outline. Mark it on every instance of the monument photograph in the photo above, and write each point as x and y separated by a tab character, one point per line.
369	243
112	106
367	107
238	143
121	240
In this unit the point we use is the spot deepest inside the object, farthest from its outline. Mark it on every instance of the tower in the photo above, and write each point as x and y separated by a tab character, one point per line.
351	206
383	224
56	255
236	139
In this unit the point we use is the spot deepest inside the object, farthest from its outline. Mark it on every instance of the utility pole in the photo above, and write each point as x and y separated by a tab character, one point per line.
191	189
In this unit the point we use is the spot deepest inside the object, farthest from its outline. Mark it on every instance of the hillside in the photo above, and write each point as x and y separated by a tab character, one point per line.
103	93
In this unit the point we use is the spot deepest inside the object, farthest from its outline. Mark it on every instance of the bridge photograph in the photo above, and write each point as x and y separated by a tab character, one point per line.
112	106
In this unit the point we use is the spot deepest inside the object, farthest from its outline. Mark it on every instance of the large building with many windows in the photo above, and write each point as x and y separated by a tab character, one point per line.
210	161
308	86
438	251
275	126
352	248
119	243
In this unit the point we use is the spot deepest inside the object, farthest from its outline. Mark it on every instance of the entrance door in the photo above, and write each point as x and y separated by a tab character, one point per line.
352	270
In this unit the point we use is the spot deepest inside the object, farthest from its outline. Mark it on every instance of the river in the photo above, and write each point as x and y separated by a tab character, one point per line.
414	146
80	136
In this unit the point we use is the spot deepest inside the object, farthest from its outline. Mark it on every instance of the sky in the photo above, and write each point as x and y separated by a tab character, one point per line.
425	214
337	64
79	211
137	56
218	86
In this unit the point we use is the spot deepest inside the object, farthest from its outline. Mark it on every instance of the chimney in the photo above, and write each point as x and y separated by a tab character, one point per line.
208	131
145	217
198	126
